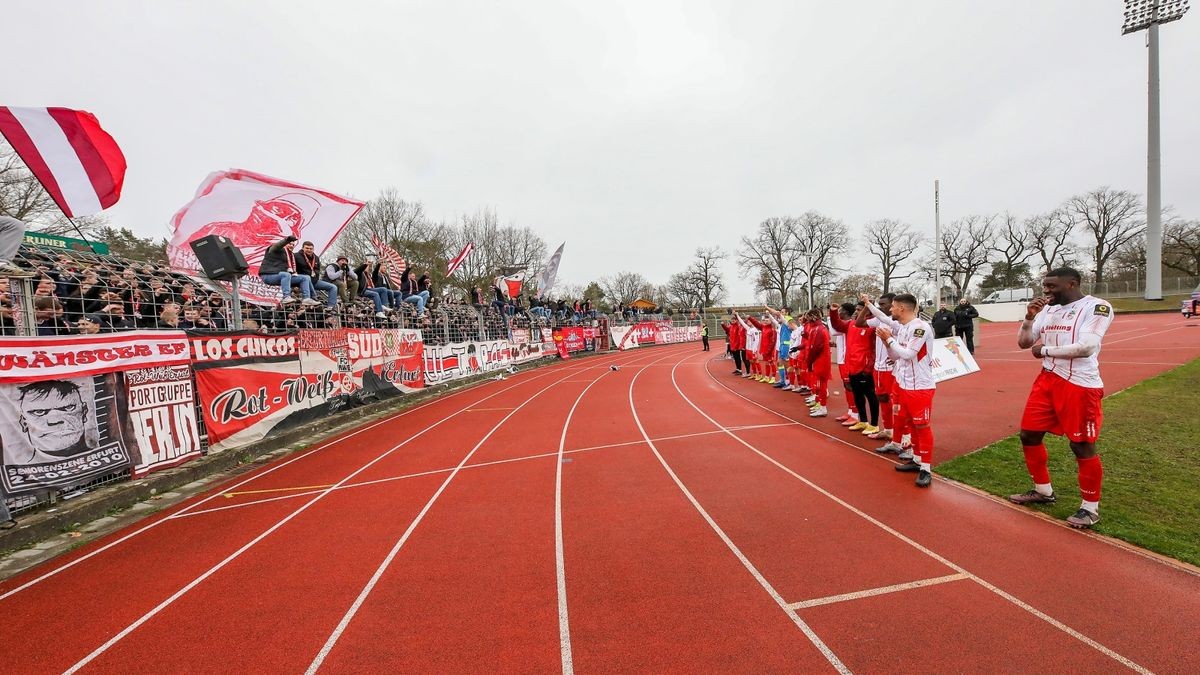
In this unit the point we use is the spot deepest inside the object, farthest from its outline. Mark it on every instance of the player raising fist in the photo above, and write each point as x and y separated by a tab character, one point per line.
1066	395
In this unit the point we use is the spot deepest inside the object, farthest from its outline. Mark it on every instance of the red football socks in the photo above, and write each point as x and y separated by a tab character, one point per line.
1037	461
1091	475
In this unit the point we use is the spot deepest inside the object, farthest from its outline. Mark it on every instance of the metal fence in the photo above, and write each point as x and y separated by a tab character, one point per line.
1128	288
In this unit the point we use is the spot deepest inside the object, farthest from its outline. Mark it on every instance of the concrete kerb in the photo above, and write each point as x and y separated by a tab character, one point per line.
67	525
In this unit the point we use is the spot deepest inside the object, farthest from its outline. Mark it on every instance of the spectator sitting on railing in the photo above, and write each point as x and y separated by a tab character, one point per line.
308	263
411	291
278	268
536	308
373	284
343	278
499	303
476	297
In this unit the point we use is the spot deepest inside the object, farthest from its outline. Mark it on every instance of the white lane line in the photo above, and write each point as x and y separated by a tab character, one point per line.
1128	663
766	585
387	561
871	592
348	486
255	476
233	556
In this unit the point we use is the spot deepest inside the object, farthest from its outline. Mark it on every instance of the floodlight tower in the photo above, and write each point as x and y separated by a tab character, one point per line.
1148	15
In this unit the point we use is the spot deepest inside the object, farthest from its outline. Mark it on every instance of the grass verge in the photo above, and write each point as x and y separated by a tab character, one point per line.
1151	492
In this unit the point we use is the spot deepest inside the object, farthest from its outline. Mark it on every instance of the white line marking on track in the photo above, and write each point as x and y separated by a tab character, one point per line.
1128	663
871	592
419	474
387	561
766	585
255	476
231	557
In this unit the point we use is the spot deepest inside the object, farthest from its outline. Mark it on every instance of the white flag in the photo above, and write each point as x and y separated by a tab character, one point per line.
546	278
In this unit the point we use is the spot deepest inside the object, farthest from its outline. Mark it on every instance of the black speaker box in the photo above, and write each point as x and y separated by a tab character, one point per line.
219	258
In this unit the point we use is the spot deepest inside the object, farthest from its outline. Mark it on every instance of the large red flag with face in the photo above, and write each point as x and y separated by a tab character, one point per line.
77	162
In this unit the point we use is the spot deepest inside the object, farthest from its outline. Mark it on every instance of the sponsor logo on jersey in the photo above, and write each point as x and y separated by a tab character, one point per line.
1103	310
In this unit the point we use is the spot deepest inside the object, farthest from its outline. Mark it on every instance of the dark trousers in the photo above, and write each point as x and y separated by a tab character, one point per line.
865	400
737	359
704	338
967	333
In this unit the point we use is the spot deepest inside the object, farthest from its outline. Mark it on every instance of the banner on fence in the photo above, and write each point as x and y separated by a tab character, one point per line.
951	359
253	386
456	360
652	333
162	417
65	415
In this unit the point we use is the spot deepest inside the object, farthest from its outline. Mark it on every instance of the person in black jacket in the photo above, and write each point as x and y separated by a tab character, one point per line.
373	284
278	268
943	322
308	263
964	322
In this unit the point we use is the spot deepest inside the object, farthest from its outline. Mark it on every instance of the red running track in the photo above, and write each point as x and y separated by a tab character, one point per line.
654	518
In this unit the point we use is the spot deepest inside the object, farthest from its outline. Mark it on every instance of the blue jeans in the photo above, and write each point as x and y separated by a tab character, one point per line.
540	311
284	281
330	290
419	300
375	295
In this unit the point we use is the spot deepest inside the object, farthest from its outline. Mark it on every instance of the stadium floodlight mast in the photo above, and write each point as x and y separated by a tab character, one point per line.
1148	15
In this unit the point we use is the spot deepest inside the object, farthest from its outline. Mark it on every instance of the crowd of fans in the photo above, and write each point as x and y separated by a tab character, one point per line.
78	292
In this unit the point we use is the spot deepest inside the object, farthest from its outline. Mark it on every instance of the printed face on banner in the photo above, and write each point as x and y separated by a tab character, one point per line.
51	437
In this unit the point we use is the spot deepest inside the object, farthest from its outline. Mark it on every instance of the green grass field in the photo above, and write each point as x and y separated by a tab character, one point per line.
1151	491
1169	302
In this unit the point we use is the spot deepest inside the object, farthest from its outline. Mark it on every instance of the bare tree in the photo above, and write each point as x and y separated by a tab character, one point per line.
1181	246
1112	218
772	256
701	283
682	291
520	247
1051	238
820	241
1011	245
964	249
625	287
892	243
850	287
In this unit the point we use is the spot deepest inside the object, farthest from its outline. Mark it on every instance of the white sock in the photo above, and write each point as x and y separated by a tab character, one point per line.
1094	507
1043	489
926	466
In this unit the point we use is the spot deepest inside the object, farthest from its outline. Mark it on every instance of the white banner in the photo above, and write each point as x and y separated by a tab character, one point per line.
254	211
71	356
463	359
950	359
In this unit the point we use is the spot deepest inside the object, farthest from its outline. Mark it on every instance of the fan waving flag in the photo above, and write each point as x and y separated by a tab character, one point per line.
393	262
78	163
460	258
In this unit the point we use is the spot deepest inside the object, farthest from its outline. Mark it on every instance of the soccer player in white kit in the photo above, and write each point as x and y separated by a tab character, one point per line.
909	342
1066	395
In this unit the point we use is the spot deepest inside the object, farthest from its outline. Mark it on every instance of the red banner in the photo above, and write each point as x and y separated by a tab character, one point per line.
162	417
40	358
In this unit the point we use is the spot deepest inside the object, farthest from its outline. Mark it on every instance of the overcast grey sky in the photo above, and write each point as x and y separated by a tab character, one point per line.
635	130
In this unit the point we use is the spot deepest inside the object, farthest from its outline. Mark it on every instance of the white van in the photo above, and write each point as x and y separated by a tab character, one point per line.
1009	295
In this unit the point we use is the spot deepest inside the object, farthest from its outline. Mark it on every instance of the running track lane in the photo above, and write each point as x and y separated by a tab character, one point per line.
1114	596
151	563
475	583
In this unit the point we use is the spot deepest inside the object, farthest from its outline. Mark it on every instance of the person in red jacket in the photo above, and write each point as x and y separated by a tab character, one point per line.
860	362
818	362
737	342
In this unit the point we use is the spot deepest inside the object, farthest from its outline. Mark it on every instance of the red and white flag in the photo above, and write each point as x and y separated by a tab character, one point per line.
254	211
511	286
460	258
393	262
77	162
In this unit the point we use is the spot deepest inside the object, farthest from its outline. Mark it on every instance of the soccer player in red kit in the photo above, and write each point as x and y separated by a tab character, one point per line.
818	362
1066	395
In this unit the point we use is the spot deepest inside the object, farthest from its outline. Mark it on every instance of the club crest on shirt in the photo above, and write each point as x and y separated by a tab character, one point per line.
1103	310
1070	315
